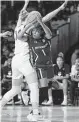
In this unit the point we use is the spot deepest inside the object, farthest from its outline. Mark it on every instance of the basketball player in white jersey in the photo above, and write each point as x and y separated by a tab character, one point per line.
21	65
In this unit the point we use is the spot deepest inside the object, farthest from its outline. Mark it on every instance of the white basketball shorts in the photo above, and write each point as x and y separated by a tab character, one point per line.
21	66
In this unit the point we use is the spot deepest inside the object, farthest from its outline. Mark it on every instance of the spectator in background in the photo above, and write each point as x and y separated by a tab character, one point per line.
6	69
74	80
60	79
5	54
7	78
74	56
61	75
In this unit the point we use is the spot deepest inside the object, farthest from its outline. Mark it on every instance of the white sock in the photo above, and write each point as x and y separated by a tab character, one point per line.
65	98
50	98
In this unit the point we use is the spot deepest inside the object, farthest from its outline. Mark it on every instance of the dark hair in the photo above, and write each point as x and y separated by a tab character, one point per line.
61	57
38	27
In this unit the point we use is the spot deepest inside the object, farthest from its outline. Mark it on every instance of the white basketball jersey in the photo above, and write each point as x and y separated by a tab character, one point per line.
21	46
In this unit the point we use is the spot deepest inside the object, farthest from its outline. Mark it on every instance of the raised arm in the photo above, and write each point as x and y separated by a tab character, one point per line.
25	5
54	13
22	12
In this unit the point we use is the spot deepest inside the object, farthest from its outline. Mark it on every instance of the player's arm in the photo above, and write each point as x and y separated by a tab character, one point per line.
54	13
21	12
24	29
25	5
47	31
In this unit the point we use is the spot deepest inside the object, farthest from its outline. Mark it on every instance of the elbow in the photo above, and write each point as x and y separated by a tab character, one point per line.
49	36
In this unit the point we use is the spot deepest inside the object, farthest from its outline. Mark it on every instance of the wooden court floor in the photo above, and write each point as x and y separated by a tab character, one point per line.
14	113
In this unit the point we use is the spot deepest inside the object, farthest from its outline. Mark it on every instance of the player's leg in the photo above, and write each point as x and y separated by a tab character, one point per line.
31	78
49	79
33	86
42	76
43	84
14	91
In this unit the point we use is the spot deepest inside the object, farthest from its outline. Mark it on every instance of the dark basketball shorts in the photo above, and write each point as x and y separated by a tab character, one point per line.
45	72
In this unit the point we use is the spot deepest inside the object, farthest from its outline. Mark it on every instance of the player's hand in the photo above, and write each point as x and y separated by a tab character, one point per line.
26	2
6	34
39	20
62	7
23	14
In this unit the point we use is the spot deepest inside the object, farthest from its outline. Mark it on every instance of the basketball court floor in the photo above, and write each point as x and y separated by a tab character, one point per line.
18	113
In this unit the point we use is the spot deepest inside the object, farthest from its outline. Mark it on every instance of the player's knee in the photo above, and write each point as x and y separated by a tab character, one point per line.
33	86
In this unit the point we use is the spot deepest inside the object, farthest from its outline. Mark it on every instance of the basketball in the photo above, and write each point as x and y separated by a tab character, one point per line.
32	16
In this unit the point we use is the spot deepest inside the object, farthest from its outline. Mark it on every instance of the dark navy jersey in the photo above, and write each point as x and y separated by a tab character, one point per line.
63	71
41	52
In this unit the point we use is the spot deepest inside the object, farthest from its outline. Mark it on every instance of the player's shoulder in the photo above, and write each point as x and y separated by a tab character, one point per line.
19	27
